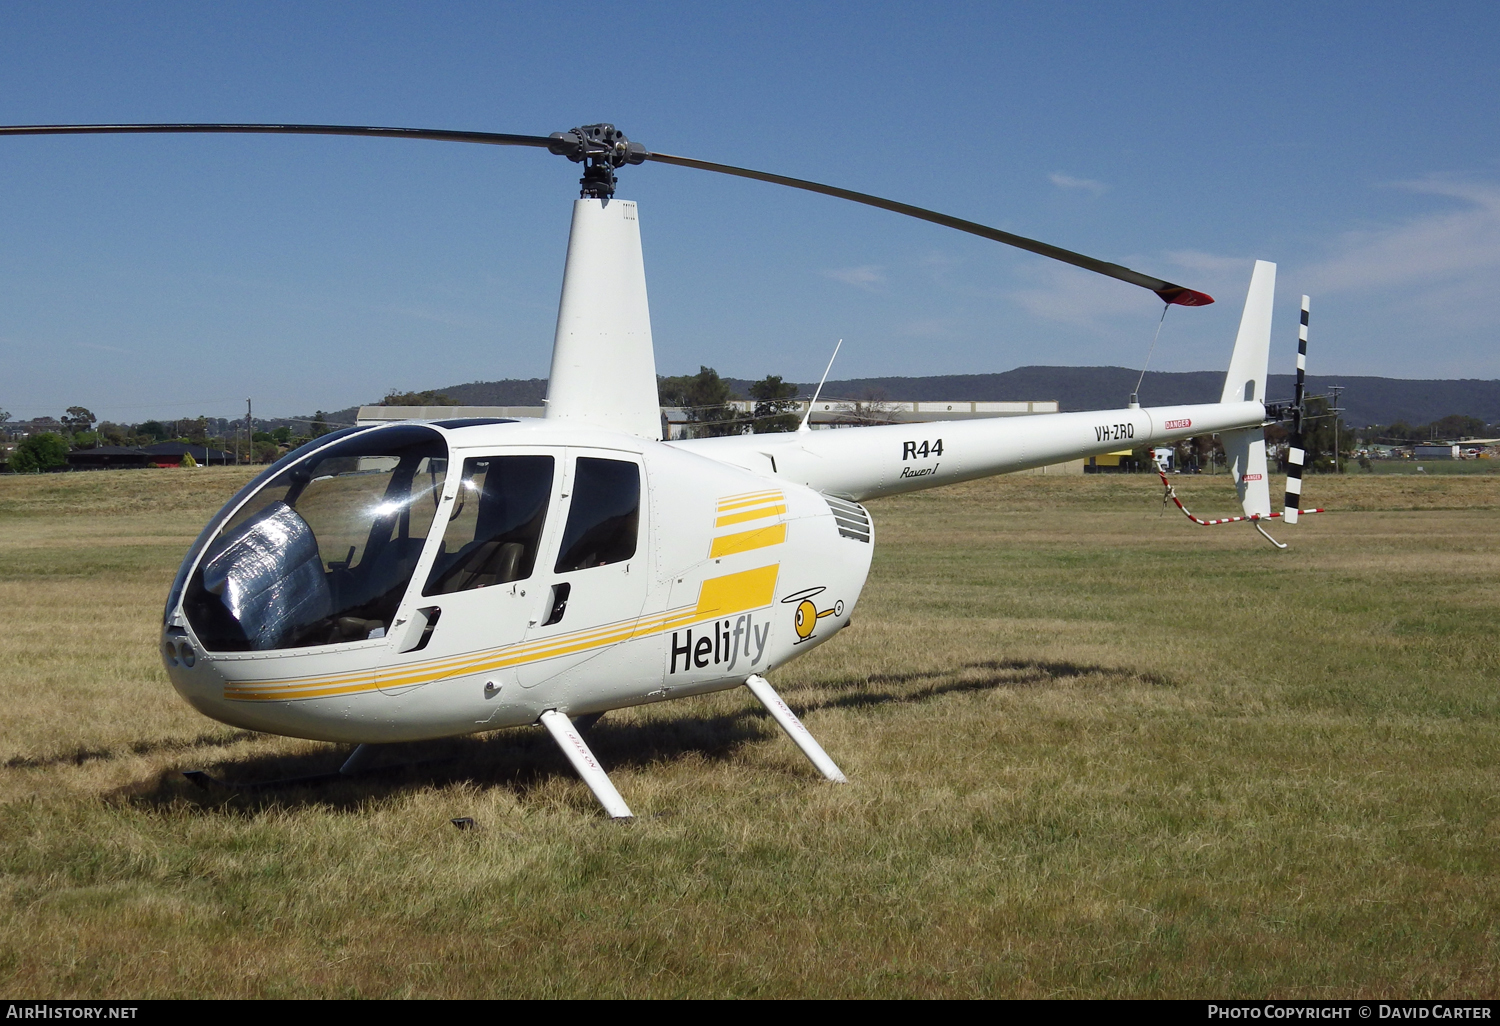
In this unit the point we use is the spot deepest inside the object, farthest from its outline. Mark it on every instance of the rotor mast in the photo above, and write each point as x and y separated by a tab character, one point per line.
601	149
603	359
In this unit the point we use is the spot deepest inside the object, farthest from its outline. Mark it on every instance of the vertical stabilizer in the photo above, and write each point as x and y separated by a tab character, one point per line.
603	364
1246	380
1245	449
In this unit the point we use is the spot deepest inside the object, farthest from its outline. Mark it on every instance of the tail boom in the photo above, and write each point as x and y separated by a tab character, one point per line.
869	462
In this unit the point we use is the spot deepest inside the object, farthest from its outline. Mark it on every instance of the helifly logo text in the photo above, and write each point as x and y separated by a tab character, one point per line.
724	642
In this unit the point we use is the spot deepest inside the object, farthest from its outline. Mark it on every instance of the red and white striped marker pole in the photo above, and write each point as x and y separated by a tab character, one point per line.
1172	494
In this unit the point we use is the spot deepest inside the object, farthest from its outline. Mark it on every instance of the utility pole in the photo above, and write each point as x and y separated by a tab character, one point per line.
250	435
1335	409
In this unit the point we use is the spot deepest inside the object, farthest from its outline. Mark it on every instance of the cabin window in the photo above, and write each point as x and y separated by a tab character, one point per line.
605	517
495	525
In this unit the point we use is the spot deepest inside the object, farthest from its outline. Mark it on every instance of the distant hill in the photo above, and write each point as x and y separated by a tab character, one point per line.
508	392
1366	400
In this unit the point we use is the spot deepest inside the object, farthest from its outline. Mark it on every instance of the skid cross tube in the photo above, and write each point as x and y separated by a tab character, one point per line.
578	753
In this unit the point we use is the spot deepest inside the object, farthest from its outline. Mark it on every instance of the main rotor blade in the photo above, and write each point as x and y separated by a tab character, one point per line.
1168	292
437	134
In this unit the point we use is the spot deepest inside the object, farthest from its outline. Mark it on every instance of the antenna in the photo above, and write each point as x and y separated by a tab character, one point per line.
808	415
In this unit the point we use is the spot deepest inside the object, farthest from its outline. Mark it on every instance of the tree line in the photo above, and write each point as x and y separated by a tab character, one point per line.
704	399
1451	428
48	440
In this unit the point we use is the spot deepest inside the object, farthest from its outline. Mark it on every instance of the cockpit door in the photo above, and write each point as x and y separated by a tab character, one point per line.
594	576
469	612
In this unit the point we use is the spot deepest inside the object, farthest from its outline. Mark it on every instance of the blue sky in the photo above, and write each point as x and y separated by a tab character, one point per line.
1357	145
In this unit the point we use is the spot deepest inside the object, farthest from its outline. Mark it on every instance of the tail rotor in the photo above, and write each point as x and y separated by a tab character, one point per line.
1246	448
1295	453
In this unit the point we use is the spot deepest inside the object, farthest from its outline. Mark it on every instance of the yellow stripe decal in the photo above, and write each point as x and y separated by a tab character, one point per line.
759	538
750	589
719	596
750	499
494	659
759	513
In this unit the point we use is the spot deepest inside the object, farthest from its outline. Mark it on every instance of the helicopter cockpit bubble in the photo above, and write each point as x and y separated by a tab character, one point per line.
322	551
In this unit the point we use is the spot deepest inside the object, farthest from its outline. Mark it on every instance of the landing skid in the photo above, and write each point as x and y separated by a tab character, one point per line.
357	763
586	722
201	779
566	733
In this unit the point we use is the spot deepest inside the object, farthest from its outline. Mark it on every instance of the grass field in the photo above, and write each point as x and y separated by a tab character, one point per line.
1484	466
1094	750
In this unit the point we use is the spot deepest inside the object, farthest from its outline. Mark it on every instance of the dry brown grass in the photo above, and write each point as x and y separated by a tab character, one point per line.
1094	750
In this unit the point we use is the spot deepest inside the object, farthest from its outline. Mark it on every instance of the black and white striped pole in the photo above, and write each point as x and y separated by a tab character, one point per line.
1295	455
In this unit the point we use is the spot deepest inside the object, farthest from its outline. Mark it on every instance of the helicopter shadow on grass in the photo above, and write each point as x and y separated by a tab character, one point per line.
81	755
986	675
523	760
519	759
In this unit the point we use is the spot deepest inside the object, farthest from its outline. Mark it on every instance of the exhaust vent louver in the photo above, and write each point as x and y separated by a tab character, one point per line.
851	517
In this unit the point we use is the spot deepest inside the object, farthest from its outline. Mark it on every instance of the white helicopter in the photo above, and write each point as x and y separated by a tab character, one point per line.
429	579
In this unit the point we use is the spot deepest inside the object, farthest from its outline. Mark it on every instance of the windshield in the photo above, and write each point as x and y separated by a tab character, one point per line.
323	551
211	528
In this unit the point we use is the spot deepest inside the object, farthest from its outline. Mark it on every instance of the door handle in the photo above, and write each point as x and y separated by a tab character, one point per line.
419	631
559	603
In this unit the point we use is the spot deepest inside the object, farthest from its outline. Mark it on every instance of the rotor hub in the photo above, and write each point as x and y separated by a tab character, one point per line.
601	149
